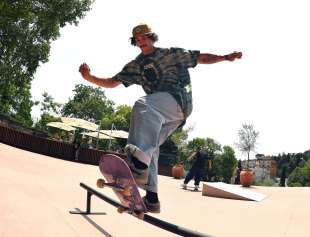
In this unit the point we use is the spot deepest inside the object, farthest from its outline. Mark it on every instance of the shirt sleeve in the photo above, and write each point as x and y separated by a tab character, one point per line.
129	75
186	58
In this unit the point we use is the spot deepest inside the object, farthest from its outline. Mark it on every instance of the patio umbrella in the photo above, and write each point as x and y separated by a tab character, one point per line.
80	123
95	135
61	125
115	133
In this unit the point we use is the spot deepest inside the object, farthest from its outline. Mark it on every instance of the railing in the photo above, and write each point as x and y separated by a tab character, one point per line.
147	218
58	149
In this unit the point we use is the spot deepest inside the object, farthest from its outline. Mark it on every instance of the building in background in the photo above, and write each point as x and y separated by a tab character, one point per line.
264	167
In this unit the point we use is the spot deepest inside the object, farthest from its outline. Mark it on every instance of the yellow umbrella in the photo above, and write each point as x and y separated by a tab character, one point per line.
61	125
80	123
95	135
115	133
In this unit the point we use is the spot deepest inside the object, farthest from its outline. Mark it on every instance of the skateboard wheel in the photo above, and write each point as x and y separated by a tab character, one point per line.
100	183
127	191
120	210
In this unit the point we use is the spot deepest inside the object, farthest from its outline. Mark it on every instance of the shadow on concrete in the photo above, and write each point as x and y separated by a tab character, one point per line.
85	216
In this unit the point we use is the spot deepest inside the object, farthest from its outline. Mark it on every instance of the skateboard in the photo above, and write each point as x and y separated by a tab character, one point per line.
191	188
119	177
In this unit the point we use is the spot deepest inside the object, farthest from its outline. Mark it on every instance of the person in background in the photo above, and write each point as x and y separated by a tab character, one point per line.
197	168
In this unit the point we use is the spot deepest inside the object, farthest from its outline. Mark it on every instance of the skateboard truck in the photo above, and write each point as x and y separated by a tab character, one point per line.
131	211
127	191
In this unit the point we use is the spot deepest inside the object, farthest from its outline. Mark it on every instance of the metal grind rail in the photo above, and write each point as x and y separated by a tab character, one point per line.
147	218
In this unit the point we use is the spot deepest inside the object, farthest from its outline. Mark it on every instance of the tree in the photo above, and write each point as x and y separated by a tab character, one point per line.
306	155
45	119
49	111
177	144
48	105
179	136
300	176
283	177
27	29
88	103
211	149
247	140
229	163
120	118
224	165
197	143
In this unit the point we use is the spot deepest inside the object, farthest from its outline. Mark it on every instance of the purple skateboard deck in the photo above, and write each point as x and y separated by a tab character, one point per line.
115	170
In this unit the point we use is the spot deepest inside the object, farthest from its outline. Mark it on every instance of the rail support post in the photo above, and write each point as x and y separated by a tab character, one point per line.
88	202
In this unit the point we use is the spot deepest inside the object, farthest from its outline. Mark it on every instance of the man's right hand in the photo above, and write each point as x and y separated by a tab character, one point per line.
84	70
104	82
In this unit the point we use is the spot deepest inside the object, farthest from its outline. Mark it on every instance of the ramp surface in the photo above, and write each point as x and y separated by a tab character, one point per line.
37	192
223	190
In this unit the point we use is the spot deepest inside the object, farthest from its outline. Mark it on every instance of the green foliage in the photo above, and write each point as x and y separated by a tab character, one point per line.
211	147
120	118
49	111
48	105
266	183
224	165
26	30
180	136
290	161
217	167
88	103
176	145
306	155
212	150
300	176
229	163
45	119
197	143
283	177
207	145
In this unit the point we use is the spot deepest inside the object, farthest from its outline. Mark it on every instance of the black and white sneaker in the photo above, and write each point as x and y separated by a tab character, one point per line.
151	207
196	188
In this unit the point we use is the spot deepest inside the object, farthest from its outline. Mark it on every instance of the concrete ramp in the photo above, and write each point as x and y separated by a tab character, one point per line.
223	190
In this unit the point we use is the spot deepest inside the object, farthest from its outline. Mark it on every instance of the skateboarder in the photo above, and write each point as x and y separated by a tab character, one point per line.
163	74
197	168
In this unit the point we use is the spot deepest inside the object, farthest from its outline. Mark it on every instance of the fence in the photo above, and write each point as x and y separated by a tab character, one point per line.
30	141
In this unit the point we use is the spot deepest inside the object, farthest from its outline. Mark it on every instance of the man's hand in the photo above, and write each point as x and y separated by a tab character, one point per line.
231	57
192	156
104	82
84	70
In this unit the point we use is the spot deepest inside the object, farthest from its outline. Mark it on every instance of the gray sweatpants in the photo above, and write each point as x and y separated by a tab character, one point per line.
154	117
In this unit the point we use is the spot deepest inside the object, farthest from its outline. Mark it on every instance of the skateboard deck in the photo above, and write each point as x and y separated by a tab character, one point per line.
191	189
119	177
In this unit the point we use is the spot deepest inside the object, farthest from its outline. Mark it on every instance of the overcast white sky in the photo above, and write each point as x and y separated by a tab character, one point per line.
269	87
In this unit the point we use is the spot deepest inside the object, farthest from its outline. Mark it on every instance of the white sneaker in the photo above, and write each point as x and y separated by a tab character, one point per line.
184	186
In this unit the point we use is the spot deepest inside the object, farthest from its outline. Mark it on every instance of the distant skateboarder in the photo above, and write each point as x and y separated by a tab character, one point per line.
196	171
163	74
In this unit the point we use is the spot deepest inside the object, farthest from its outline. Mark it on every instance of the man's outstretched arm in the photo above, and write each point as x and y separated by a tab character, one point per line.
104	82
206	58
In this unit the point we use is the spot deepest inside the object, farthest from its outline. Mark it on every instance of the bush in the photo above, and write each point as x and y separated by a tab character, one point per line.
266	182
300	176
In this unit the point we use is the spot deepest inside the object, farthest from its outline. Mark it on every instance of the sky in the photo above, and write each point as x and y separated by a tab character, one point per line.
268	87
